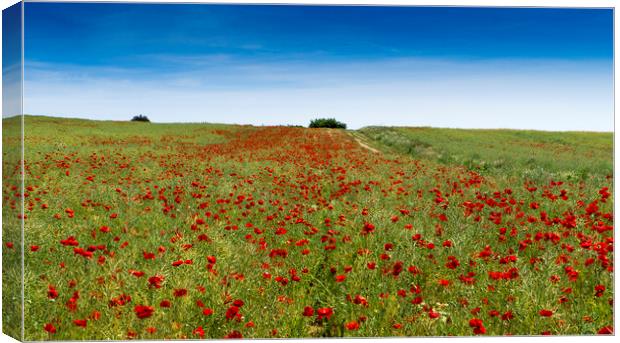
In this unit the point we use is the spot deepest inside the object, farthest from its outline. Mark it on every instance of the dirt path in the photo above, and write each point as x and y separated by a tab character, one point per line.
363	145
330	132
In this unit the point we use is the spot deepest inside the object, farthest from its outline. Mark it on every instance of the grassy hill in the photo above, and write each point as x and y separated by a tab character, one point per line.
536	155
184	231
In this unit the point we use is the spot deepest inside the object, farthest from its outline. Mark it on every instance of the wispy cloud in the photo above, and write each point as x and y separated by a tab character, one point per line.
11	90
534	94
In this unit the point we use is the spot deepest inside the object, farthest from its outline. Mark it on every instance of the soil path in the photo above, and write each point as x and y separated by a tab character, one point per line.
363	145
330	132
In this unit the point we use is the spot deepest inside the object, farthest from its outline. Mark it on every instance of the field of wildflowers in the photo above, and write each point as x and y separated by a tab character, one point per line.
188	231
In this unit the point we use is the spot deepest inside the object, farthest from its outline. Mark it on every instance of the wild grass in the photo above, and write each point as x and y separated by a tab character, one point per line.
286	218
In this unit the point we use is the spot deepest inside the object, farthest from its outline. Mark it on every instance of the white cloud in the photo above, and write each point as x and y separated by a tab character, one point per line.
547	95
11	90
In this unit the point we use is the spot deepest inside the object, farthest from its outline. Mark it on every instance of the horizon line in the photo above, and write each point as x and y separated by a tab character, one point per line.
302	126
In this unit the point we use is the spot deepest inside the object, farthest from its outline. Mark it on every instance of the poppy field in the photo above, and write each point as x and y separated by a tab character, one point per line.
199	231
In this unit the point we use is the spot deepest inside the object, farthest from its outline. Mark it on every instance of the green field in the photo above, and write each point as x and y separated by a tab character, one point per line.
524	154
183	231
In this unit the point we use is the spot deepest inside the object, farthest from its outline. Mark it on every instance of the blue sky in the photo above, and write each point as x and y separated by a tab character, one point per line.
548	69
11	60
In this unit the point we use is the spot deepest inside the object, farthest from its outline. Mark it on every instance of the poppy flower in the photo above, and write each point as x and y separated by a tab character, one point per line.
352	326
234	334
155	281
143	311
80	322
232	312
360	300
181	292
49	327
308	311
199	331
165	304
507	315
368	228
52	293
433	315
545	313
478	326
325	312
599	289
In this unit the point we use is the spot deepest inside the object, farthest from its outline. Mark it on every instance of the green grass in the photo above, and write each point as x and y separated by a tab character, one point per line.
534	155
11	227
192	190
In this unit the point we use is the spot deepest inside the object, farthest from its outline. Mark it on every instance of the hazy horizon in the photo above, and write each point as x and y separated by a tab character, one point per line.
516	68
291	125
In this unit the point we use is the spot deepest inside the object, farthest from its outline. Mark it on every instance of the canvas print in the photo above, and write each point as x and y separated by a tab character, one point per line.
209	171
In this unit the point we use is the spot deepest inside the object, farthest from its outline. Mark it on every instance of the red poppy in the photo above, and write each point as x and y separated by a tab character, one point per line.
433	315
325	312
155	281
49	327
479	328
199	331
232	312
181	292
80	322
545	313
599	289
308	311
234	334
143	311
165	303
360	300
368	228
507	315
354	325
52	293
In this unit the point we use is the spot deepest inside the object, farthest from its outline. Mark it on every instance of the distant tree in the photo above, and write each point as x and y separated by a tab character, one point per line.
140	117
328	123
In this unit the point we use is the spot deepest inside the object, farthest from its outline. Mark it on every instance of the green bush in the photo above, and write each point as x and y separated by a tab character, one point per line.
328	123
141	118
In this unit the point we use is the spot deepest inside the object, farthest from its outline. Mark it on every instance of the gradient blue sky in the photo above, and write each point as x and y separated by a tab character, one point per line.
548	69
11	60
